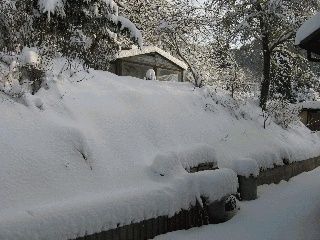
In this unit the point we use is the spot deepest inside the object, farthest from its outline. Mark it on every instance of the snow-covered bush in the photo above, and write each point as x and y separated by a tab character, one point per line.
292	77
91	30
220	96
151	75
282	112
21	72
9	80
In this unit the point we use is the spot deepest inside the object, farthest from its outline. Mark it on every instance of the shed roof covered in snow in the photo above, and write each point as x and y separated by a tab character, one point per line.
308	36
312	105
151	49
138	62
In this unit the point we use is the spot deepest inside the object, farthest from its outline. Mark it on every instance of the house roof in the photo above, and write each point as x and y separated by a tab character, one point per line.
308	35
151	49
310	105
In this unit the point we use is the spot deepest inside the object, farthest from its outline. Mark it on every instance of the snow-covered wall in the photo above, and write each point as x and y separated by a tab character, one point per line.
96	150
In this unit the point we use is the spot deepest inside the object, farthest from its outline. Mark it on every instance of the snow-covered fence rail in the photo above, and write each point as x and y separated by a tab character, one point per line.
213	201
148	229
196	216
248	185
287	171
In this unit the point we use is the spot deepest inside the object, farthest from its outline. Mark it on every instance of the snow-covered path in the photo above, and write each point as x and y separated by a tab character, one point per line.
288	211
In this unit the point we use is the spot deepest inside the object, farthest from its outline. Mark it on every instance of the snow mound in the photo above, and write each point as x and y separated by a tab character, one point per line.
87	152
100	212
246	167
29	56
175	162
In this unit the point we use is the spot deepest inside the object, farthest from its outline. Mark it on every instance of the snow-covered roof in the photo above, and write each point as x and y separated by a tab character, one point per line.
308	28
151	49
310	105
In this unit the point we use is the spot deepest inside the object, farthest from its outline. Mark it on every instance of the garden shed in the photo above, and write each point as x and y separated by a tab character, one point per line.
310	114
308	37
136	62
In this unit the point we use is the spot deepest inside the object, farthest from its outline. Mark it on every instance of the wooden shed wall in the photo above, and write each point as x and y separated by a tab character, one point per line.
311	118
137	66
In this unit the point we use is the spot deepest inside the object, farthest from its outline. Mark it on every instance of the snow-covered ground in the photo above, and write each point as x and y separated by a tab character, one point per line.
88	152
288	211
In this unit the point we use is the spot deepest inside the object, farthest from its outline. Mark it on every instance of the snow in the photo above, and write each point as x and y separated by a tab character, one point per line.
51	6
29	56
288	211
151	75
95	150
127	24
246	167
310	105
94	212
172	162
113	6
308	28
151	49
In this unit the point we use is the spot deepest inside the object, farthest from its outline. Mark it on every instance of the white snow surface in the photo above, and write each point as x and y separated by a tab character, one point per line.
288	211
175	161
309	27
310	105
87	152
50	6
29	56
246	167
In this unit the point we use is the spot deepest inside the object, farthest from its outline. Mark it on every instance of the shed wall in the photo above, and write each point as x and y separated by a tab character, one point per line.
137	66
304	117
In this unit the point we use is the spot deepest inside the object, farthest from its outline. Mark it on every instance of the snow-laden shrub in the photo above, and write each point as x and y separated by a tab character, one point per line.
91	30
21	72
218	96
151	75
282	112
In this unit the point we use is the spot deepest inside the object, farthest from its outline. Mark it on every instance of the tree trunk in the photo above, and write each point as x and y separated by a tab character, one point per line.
265	40
265	85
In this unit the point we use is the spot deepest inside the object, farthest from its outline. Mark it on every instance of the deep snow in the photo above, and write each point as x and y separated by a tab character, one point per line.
288	211
83	154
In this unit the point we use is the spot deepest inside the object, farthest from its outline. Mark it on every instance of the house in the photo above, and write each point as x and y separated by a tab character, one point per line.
308	37
136	62
310	114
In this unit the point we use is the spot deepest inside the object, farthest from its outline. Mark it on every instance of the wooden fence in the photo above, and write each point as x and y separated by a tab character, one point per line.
196	216
148	229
